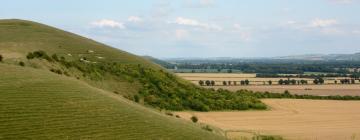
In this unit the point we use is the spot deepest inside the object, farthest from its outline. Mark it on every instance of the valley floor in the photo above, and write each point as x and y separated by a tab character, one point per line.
290	118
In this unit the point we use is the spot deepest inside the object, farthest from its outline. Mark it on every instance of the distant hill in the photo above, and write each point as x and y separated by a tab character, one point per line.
58	85
324	57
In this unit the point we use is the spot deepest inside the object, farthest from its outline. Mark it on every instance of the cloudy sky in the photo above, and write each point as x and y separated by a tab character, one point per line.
203	28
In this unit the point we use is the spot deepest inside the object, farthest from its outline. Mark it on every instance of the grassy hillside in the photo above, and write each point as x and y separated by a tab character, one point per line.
18	37
110	69
37	104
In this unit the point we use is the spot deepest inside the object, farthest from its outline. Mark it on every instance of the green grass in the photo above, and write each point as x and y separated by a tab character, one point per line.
37	104
18	37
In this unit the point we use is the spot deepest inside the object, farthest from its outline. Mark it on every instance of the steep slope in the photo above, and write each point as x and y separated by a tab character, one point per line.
38	104
50	49
18	37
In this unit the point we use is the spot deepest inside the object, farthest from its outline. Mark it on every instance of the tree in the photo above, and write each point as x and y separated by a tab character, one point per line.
229	71
207	82
352	81
335	82
293	81
224	83
212	83
321	81
247	82
281	82
303	82
201	83
316	81
270	82
242	82
194	119
229	83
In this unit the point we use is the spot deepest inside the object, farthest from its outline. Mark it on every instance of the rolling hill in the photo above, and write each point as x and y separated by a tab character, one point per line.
78	92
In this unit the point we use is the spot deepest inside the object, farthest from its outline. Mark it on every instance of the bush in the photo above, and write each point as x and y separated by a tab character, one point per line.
39	54
194	119
169	114
57	71
266	137
55	57
1	58
207	128
137	98
21	63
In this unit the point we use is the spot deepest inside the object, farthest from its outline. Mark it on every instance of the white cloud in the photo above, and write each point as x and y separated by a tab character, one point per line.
134	19
291	22
199	3
356	31
195	23
108	23
244	32
321	23
181	34
207	2
342	1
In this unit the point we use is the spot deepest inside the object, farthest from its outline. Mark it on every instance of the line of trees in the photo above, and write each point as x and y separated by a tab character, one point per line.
207	83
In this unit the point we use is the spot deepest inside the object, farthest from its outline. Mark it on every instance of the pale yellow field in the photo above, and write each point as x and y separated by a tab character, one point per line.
292	119
261	85
353	90
220	77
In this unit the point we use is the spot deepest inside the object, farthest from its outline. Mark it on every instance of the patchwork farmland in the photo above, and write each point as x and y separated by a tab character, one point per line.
262	84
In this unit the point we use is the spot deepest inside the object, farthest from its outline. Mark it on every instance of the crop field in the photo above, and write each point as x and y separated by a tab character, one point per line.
261	85
291	119
320	90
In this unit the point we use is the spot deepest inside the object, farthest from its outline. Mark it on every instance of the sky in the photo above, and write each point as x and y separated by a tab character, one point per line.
203	28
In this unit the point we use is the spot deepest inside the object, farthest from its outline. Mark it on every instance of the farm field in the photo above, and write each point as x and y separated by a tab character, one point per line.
291	119
321	90
257	84
220	77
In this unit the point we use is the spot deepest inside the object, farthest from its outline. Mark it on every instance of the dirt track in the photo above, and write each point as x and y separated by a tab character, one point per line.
292	119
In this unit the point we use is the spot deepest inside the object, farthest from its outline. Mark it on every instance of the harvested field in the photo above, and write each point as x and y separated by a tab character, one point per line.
292	119
261	84
321	90
220	77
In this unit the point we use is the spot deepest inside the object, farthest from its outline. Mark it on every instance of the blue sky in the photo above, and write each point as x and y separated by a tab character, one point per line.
203	28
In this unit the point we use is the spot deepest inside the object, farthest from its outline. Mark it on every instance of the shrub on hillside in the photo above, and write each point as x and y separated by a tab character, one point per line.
21	63
57	71
207	128
194	119
136	98
39	54
164	90
1	58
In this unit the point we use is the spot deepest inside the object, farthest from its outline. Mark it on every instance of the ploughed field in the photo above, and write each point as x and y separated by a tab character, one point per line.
291	119
261	84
